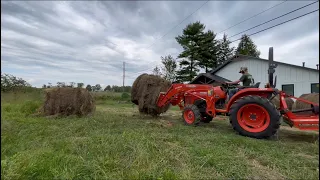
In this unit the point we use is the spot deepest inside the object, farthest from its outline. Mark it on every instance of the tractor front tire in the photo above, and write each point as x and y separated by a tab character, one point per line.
191	115
254	116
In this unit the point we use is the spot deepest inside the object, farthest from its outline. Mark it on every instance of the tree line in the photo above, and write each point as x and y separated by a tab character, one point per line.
13	83
201	49
91	88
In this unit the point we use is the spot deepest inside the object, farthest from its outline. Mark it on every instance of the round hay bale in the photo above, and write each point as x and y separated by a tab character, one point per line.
289	102
135	89
145	92
312	97
68	101
276	102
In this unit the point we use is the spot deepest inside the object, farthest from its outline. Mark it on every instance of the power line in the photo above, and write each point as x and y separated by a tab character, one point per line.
279	24
257	32
274	19
252	16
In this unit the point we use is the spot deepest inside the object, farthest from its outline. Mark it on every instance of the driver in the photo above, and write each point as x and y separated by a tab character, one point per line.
246	80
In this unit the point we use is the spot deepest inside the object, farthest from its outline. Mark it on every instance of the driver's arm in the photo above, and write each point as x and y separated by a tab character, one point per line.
237	81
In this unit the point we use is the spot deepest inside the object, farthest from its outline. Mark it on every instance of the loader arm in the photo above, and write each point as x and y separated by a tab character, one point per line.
176	93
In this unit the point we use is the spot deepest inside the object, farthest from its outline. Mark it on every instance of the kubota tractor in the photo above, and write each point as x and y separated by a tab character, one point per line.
250	110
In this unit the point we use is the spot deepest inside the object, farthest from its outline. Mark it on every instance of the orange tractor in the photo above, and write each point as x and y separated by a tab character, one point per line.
250	110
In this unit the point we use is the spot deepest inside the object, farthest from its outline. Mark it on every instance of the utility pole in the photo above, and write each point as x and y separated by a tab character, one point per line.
123	76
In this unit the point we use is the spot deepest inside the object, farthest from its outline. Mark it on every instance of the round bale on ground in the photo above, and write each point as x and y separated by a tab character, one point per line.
145	92
68	101
312	97
135	89
276	102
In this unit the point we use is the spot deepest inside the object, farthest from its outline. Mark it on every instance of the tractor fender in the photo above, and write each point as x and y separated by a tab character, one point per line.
263	92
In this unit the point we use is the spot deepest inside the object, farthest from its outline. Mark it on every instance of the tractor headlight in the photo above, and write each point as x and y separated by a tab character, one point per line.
210	92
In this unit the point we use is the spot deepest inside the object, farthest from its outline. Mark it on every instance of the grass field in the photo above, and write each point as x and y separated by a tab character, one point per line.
118	143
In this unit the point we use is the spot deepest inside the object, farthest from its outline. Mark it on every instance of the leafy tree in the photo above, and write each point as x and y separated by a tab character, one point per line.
61	84
12	83
98	87
93	88
49	85
72	84
44	86
225	51
247	47
80	85
89	88
169	69
156	71
107	88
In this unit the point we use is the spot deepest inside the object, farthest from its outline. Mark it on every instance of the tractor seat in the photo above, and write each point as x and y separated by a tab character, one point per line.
256	85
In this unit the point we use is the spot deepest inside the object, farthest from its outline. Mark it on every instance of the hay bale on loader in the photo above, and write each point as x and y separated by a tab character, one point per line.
145	92
312	97
276	102
68	101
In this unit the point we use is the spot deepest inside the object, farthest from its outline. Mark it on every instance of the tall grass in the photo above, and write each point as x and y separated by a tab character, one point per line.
118	143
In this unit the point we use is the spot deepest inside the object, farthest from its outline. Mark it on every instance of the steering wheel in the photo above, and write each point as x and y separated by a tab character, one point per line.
230	86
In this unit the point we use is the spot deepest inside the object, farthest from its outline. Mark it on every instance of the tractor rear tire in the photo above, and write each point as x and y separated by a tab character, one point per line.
254	116
191	115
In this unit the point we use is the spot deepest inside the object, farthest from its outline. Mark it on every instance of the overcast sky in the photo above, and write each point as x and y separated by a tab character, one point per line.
88	42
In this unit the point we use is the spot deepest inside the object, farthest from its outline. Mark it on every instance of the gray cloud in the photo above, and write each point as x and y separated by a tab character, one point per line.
47	41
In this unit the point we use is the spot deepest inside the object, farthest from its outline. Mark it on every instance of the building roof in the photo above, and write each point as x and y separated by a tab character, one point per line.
242	57
208	76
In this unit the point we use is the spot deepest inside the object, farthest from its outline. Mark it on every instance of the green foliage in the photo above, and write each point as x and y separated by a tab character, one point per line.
116	88
169	69
30	107
118	143
61	84
110	96
225	51
199	51
156	71
207	50
107	88
80	85
188	40
247	47
97	87
89	88
13	83
125	96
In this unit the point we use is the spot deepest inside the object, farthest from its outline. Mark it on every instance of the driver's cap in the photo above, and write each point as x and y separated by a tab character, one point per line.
243	69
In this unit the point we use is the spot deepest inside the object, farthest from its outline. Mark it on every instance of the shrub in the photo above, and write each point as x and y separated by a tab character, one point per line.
125	96
30	107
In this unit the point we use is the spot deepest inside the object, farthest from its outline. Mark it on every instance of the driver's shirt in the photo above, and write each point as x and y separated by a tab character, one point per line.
246	79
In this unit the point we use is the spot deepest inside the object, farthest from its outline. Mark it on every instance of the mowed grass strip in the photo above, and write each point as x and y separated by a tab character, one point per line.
119	143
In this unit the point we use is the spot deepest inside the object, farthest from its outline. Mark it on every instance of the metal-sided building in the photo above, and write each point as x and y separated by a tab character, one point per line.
292	79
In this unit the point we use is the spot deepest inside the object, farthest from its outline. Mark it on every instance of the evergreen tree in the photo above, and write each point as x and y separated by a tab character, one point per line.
208	50
225	51
247	47
189	40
